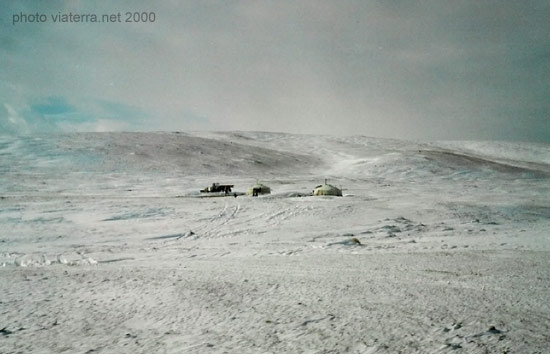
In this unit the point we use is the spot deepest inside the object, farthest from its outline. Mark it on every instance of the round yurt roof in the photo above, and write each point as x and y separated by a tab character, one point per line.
327	189
262	188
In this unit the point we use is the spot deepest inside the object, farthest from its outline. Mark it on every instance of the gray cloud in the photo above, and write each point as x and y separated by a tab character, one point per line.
419	70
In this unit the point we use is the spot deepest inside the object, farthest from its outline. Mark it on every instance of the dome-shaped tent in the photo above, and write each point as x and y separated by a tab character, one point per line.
327	189
258	189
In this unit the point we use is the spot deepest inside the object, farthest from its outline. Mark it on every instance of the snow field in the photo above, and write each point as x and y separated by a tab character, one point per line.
434	248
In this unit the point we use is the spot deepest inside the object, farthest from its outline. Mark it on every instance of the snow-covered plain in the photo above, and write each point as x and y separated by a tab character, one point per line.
106	247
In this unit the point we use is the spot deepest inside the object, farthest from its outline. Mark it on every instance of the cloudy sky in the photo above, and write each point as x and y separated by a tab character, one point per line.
426	69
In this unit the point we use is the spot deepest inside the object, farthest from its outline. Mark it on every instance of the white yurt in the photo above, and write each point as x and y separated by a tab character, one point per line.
327	189
258	189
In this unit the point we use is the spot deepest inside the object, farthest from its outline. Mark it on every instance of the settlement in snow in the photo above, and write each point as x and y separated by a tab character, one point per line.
258	189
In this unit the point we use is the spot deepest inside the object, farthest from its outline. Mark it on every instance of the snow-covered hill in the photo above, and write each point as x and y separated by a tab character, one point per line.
435	247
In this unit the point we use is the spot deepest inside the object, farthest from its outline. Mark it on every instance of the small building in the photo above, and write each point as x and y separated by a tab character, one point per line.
327	189
258	189
217	188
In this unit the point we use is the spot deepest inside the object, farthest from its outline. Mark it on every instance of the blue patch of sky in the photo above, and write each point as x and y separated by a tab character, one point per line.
57	109
53	106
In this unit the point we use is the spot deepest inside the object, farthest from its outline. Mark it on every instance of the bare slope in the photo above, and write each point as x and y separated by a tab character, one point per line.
107	163
361	156
163	152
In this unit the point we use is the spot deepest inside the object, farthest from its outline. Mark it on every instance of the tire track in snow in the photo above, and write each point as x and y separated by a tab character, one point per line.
211	229
265	221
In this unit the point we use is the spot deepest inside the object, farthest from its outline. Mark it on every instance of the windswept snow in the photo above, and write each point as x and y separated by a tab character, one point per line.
107	246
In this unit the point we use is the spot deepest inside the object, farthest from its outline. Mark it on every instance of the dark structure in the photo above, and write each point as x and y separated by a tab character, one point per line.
258	189
217	188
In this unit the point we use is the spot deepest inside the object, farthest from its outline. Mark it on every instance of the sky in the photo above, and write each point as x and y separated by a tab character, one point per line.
419	70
